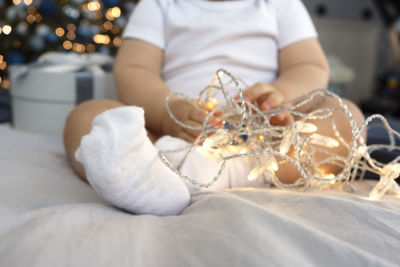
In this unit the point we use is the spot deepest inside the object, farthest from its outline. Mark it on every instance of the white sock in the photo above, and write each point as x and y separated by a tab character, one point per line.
204	169
122	165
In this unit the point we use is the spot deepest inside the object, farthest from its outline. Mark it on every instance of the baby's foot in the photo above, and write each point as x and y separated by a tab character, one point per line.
122	165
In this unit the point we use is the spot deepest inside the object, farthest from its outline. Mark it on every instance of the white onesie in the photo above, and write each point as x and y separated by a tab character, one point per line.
199	36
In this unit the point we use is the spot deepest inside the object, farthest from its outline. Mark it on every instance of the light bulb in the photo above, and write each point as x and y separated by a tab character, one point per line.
321	140
268	164
329	176
286	142
392	170
221	137
209	153
386	182
271	163
380	189
256	172
305	127
361	150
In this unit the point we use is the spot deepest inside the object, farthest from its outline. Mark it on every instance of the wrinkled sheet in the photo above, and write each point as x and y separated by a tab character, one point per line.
48	217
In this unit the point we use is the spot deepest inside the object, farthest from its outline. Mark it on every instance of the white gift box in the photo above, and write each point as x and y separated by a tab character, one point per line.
44	93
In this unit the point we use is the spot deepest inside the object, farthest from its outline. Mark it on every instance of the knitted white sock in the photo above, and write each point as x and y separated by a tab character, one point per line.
122	165
204	169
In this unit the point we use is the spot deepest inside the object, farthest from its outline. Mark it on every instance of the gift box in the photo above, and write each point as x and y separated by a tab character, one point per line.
45	92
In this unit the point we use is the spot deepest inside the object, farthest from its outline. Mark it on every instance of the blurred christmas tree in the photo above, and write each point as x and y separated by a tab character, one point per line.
29	28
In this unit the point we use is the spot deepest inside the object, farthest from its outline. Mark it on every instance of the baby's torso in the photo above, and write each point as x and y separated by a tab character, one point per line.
202	36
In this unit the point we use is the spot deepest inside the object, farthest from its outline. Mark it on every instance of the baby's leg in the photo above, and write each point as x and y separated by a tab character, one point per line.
122	165
287	173
117	141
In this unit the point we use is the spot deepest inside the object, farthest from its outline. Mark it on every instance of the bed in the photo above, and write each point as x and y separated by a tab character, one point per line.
49	217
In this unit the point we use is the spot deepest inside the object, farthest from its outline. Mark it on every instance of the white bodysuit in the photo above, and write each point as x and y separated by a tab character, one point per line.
199	36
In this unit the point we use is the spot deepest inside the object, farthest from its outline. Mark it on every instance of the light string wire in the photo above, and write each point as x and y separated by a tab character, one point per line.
243	131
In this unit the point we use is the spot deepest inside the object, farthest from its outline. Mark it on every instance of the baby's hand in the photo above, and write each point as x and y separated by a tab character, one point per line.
188	114
268	97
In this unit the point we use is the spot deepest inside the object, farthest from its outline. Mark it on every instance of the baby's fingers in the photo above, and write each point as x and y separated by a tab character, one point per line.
283	119
254	92
272	100
197	115
187	137
190	133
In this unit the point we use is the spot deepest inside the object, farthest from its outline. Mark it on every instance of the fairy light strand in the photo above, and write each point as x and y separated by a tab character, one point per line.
243	131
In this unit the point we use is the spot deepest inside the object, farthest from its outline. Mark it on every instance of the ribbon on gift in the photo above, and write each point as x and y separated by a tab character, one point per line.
89	69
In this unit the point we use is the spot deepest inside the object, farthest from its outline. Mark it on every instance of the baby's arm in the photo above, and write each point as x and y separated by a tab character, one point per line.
137	74
303	67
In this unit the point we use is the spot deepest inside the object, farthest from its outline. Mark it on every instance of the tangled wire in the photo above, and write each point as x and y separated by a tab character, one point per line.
242	130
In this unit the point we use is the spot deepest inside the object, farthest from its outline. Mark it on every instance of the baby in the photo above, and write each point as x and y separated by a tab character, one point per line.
177	45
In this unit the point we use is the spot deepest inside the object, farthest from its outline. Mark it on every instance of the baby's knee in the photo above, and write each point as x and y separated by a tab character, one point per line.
357	114
355	111
86	111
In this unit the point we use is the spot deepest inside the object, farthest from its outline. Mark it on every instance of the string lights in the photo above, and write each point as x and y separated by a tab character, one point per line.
237	128
29	28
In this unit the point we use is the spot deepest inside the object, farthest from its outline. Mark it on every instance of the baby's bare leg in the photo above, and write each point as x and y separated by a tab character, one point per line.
287	173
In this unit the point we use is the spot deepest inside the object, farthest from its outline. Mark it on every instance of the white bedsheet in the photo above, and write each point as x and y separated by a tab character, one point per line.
48	217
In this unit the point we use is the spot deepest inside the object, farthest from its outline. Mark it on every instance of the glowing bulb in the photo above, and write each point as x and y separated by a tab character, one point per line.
209	106
386	181
305	127
60	32
321	140
93	6
67	45
255	173
80	48
271	163
286	142
116	12
117	41
7	29
208	153
221	137
329	176
361	150
268	164
101	39
392	170
379	190
220	74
